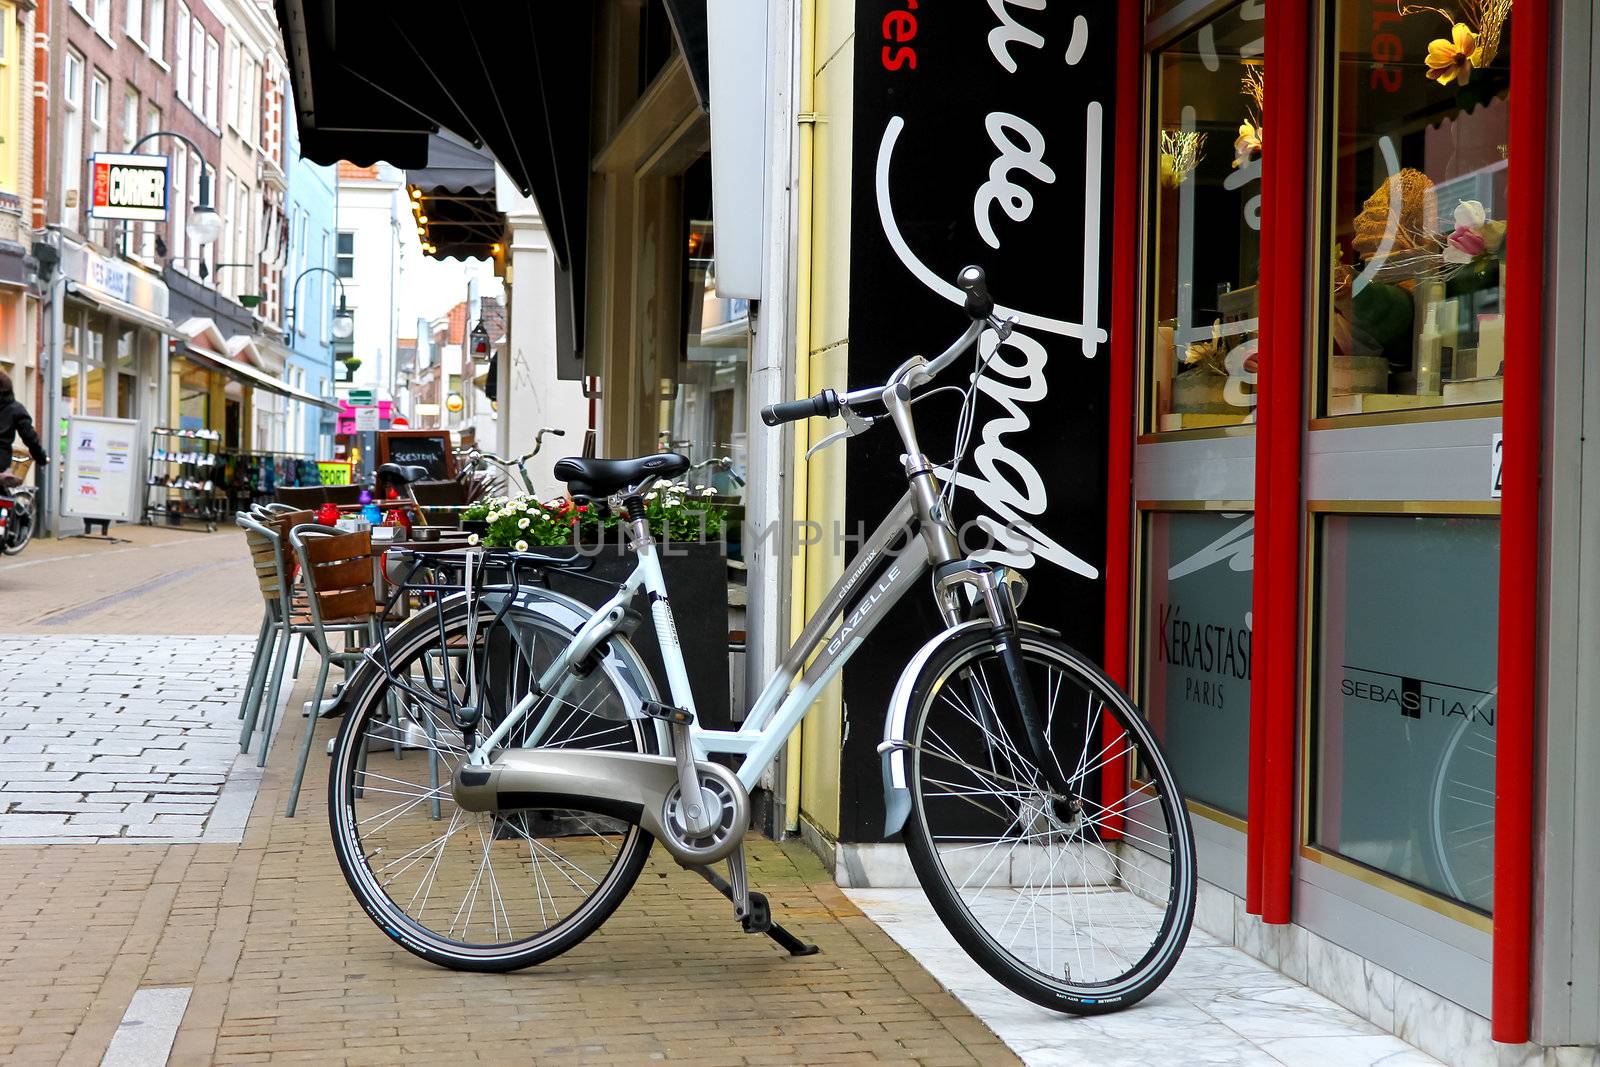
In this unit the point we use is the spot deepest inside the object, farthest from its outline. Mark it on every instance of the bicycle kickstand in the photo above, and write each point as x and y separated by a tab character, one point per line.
751	908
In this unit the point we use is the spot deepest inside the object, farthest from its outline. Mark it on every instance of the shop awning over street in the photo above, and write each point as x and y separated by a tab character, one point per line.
201	338
455	192
373	80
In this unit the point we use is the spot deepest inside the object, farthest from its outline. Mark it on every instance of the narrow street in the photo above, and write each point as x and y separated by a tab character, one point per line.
152	894
157	907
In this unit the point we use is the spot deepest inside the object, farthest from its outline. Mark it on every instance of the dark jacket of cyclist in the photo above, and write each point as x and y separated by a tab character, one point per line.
15	422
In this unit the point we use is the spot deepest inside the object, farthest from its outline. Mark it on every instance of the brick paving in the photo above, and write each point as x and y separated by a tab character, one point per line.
117	736
283	965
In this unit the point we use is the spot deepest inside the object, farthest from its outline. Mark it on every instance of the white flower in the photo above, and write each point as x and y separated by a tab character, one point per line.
522	546
708	491
699	488
493	516
472	539
1470	214
523	523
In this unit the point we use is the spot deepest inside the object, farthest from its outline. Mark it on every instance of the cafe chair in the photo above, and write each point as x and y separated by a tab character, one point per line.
264	539
336	569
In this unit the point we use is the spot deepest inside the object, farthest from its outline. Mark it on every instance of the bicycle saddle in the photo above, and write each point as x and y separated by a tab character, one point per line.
602	477
403	473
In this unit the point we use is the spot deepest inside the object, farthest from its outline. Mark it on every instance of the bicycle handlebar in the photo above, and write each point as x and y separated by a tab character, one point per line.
825	403
979	304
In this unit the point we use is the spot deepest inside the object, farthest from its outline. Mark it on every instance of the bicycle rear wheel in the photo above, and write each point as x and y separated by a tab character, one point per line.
1079	900
473	890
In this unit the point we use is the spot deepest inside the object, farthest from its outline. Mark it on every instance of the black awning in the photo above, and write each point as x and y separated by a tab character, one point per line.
455	193
372	79
454	166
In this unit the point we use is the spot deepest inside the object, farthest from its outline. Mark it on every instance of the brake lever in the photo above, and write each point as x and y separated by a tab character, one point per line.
854	425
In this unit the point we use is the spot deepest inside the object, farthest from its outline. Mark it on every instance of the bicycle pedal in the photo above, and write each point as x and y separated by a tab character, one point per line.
758	920
668	713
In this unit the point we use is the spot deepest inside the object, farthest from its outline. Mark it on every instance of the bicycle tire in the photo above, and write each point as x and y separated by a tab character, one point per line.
937	867
413	638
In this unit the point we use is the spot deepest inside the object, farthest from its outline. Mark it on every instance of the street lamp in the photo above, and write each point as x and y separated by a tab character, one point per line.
344	322
204	225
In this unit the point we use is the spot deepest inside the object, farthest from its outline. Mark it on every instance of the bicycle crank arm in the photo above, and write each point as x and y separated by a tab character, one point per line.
638	788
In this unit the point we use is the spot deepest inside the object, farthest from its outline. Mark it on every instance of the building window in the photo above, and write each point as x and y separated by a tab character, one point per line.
157	41
1417	211
323	282
99	99
346	266
180	38
211	81
1206	192
10	94
102	17
177	240
231	107
147	230
71	138
197	66
1195	648
133	22
130	117
1403	742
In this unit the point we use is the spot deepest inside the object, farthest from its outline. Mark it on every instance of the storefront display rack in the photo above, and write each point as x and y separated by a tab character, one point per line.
254	477
181	482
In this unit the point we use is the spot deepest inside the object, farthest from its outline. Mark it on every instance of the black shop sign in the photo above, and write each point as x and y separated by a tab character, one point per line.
983	134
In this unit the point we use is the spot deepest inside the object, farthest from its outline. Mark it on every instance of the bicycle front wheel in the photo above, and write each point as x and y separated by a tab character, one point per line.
473	890
1077	895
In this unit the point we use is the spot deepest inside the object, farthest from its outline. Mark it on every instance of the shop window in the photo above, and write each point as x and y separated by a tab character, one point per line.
1403	742
703	402
1205	186
1418	207
1195	649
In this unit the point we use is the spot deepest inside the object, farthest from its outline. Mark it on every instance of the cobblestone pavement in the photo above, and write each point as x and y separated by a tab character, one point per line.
123	737
256	951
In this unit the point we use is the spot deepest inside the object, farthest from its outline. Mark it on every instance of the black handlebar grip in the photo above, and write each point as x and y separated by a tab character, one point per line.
975	283
825	403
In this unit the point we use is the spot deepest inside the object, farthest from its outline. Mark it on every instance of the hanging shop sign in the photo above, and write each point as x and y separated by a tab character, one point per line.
100	469
982	134
128	187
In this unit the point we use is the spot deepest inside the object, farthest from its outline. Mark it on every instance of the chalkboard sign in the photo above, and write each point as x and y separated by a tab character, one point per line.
419	448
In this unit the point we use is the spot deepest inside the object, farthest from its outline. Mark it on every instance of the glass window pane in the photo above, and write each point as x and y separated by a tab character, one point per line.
1418	207
1404	702
1206	224
1195	685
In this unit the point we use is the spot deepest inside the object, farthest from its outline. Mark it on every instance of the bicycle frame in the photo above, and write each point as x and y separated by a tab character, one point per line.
856	604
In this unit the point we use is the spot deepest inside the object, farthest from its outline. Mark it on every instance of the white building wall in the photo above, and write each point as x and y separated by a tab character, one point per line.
531	396
374	210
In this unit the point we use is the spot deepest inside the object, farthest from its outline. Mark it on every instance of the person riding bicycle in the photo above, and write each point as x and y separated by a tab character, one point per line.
15	422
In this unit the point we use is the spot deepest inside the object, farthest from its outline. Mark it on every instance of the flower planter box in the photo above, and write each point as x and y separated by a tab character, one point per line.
697	585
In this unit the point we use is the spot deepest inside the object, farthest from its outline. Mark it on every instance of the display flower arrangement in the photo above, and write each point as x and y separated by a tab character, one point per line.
674	512
1247	146
1474	41
1181	151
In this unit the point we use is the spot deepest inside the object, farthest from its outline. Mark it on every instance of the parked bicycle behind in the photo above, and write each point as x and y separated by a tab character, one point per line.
506	762
17	503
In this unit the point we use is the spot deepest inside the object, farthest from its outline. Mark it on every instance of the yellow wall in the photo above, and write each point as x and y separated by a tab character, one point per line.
825	355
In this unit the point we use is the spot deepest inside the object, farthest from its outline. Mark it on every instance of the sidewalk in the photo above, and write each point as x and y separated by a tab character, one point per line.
256	951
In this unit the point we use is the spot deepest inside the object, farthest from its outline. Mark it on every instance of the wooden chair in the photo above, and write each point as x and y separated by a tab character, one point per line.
336	569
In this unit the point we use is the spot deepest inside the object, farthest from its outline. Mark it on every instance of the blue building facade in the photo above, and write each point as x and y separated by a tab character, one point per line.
312	207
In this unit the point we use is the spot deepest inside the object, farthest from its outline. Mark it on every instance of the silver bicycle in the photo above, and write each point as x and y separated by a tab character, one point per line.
506	761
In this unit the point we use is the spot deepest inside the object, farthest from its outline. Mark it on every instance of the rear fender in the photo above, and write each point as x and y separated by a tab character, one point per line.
896	787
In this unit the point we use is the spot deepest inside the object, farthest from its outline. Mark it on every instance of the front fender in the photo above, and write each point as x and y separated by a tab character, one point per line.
896	789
